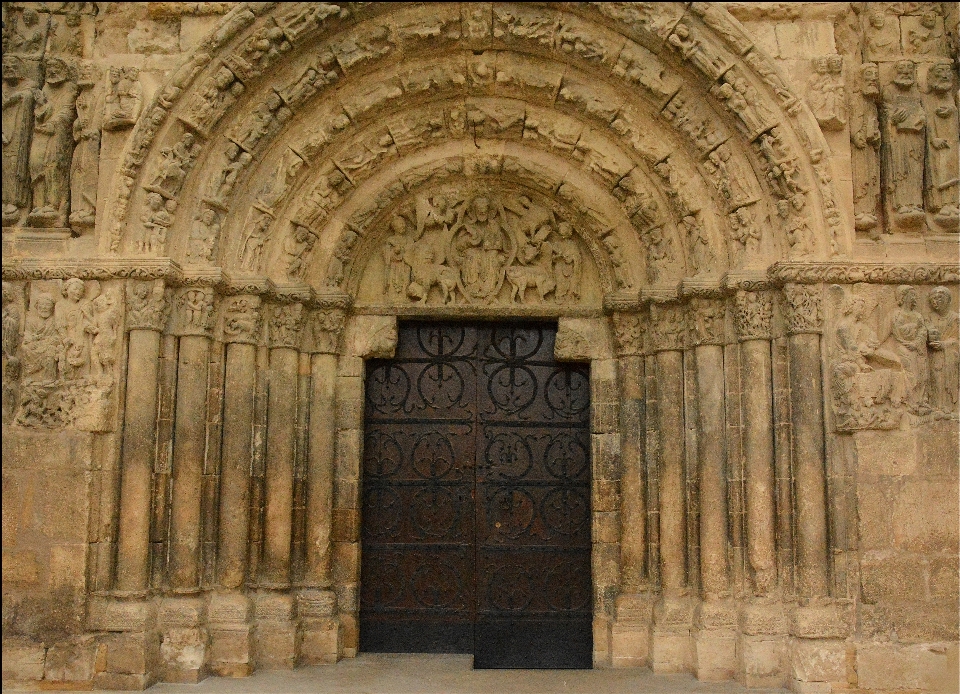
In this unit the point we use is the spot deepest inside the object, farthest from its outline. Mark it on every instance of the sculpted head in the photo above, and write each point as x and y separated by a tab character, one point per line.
870	79
398	225
565	230
906	297
30	17
73	289
906	73
928	20
878	19
940	299
12	68
940	76
57	70
45	304
481	208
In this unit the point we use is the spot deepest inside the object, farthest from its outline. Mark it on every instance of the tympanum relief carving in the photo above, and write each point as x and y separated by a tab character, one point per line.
478	248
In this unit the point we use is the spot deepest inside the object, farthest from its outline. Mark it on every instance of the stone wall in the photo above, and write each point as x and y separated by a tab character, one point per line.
743	215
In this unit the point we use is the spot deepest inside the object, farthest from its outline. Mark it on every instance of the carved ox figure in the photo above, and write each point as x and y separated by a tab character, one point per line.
539	276
427	273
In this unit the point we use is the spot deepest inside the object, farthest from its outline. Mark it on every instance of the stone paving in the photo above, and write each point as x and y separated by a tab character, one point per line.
452	674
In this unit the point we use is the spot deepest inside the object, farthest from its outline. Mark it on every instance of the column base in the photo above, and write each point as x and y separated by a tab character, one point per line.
762	647
231	635
275	634
183	640
131	660
671	648
715	641
630	633
320	637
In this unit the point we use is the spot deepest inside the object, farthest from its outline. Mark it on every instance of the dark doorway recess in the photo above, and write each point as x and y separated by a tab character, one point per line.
476	498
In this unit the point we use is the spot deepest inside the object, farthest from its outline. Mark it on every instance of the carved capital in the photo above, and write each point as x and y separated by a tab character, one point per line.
196	309
629	330
286	325
242	319
325	330
148	305
752	312
706	322
666	327
803	308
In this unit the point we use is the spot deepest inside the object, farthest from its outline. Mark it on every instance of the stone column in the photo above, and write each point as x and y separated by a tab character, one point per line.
194	322
707	334
147	310
231	653
715	636
630	638
670	646
242	323
804	324
752	316
320	638
286	326
276	631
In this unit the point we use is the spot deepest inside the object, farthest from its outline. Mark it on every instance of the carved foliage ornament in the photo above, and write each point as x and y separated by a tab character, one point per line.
628	331
803	308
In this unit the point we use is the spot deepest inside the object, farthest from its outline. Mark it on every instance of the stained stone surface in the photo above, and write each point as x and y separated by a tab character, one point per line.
743	216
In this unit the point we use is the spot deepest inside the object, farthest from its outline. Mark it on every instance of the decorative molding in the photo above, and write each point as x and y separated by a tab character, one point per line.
870	273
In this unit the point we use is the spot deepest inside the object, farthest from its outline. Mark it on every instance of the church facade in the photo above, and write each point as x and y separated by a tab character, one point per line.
229	227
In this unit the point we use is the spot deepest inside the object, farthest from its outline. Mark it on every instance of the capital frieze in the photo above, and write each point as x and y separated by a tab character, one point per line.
148	305
242	319
752	313
667	327
803	308
629	329
286	325
195	311
706	319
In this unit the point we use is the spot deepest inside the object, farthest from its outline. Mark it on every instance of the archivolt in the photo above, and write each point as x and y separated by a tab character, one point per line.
606	46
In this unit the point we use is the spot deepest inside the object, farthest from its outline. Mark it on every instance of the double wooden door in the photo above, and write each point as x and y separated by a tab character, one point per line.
476	498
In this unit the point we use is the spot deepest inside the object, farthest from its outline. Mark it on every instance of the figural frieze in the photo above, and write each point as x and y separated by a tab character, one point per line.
242	319
148	305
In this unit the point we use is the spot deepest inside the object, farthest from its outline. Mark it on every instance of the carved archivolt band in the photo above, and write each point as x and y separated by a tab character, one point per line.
709	29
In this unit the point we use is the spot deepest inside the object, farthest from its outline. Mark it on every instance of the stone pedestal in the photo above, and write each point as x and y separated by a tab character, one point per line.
715	641
762	646
671	647
130	650
275	634
183	639
630	634
231	635
320	637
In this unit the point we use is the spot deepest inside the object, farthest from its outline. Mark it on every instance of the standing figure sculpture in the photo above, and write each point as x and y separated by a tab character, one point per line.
904	135
51	152
18	98
943	338
943	172
910	333
865	153
85	170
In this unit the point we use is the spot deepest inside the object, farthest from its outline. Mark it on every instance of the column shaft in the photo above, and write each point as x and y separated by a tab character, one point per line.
633	537
711	453
239	387
670	405
281	432
189	444
806	391
137	459
758	452
320	469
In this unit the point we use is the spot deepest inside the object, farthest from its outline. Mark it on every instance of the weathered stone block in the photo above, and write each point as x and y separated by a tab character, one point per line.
670	651
320	641
23	660
804	39
231	651
762	661
832	621
630	645
132	653
71	660
108	614
181	612
892	453
228	608
274	608
21	567
919	512
888	666
818	660
891	576
183	652
762	618
275	645
715	655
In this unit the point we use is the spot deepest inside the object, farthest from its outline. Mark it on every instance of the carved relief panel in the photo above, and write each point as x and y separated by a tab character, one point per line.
452	247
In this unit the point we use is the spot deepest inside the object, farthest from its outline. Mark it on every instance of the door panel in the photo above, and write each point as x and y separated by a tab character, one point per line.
476	504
